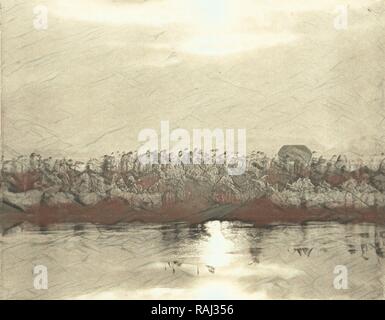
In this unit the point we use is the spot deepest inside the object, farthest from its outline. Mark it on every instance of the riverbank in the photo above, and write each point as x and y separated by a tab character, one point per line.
295	187
260	212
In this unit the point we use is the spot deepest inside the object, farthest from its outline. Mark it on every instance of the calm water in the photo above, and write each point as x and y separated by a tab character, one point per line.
215	260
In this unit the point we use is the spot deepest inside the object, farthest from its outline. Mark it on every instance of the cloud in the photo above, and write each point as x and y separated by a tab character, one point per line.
204	27
189	12
201	27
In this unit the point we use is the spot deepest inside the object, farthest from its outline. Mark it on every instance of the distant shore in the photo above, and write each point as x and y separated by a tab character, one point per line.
260	212
295	186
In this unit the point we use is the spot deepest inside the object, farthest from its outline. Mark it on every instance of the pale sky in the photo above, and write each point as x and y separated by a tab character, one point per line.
105	69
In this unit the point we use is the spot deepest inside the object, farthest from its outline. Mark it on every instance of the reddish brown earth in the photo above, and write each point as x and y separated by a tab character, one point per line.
259	212
263	212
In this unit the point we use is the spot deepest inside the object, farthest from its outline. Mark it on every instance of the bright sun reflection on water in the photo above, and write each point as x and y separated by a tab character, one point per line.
216	249
220	275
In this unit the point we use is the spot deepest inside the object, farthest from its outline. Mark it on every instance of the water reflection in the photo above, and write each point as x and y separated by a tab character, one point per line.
216	249
215	260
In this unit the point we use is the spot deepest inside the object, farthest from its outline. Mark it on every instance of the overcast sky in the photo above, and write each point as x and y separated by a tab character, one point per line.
105	69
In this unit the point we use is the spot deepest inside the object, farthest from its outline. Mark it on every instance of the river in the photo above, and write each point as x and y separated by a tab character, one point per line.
214	260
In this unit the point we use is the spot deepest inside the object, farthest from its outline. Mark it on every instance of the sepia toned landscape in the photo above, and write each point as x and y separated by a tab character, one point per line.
192	149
